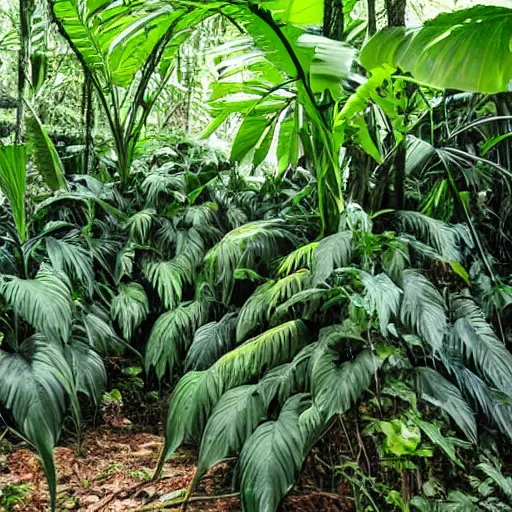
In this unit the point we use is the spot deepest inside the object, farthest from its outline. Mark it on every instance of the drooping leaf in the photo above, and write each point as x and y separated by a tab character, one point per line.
44	302
31	388
171	335
333	252
423	309
476	341
45	155
129	308
271	458
13	184
233	420
336	388
211	341
435	389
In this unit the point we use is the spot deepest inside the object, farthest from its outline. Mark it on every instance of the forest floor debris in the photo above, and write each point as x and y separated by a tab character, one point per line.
113	474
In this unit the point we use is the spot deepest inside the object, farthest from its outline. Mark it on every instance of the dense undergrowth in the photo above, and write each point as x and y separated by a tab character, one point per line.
346	307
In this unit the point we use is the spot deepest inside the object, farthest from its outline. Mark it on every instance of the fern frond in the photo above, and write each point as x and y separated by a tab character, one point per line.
303	257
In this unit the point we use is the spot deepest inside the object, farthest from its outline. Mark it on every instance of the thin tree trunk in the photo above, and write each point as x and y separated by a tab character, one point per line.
88	119
23	60
334	22
372	17
396	12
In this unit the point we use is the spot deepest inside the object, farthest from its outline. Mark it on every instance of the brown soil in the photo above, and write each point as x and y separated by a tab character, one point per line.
112	475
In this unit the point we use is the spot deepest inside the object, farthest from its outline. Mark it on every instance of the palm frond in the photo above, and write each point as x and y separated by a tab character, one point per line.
197	393
303	257
139	225
159	183
384	297
44	302
337	388
129	308
243	248
169	278
32	389
258	308
445	238
99	332
271	458
233	420
423	309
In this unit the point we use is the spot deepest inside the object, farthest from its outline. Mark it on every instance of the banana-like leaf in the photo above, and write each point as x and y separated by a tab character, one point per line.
31	388
45	155
211	341
467	50
44	302
233	420
13	175
423	309
171	336
435	389
129	308
271	458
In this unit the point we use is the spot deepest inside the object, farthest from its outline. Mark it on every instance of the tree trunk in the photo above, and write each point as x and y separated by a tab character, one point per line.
372	17
396	12
26	8
334	23
88	119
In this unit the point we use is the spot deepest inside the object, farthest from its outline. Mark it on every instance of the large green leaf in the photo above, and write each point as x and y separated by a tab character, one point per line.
467	50
31	388
13	174
129	308
197	393
435	389
333	252
233	420
336	388
44	302
45	155
271	458
423	309
172	334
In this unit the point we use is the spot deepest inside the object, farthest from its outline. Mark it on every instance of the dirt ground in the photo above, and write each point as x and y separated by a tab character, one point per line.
113	475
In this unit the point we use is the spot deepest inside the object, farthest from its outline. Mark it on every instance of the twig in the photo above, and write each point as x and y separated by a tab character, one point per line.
178	501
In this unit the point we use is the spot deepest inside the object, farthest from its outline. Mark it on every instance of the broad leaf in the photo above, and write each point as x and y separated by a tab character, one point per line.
467	50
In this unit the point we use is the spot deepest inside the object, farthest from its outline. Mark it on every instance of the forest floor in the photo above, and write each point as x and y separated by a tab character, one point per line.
113	472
